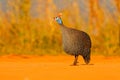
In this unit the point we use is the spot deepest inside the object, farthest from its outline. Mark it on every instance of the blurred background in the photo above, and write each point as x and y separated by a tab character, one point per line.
27	26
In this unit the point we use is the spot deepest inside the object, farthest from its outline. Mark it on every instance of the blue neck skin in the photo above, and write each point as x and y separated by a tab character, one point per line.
59	21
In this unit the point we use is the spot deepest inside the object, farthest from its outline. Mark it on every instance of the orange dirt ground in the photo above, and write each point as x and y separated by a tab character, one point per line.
13	67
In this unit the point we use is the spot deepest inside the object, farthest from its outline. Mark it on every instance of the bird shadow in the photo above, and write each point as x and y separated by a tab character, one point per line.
82	64
87	64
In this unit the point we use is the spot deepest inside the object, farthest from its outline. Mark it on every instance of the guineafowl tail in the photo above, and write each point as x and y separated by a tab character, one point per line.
86	55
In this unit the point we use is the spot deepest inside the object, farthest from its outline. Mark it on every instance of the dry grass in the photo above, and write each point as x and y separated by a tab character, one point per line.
20	33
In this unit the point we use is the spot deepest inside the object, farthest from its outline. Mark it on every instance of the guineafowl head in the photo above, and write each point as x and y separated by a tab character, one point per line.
58	20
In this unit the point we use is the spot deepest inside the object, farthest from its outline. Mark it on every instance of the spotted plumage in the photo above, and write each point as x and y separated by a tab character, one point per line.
75	42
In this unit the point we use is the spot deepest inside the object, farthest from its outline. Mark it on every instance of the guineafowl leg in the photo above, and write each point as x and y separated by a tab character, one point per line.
75	61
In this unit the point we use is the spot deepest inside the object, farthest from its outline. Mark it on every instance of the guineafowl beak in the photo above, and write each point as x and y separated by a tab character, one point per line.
54	18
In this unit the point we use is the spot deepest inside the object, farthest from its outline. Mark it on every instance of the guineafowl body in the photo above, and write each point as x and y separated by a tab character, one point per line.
75	42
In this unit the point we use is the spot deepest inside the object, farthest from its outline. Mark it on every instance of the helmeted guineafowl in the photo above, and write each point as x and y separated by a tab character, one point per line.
75	42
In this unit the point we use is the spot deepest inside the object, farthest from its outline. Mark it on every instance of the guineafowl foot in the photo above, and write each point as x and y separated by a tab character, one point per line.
75	61
74	64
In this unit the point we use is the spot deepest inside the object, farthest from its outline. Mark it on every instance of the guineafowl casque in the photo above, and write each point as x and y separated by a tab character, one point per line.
75	42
